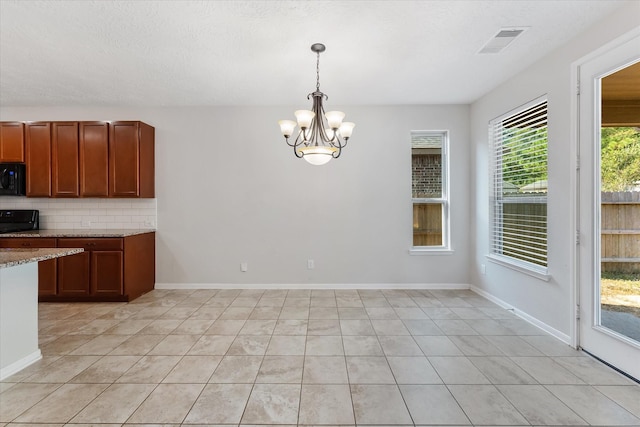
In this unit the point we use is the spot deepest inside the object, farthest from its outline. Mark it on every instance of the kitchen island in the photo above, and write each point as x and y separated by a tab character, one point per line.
19	305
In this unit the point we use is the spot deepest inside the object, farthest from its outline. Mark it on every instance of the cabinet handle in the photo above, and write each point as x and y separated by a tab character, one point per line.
26	244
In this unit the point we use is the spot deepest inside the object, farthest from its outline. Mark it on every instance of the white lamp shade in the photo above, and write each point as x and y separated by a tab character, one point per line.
346	129
319	155
304	118
287	127
334	118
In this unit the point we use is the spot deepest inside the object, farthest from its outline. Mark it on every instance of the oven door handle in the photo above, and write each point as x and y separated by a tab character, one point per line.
4	178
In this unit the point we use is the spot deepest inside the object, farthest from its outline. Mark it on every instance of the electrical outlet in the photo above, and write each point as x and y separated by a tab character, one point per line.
149	224
244	266
310	264
483	269
86	224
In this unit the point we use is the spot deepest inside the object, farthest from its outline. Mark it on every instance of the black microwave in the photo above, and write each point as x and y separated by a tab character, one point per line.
12	179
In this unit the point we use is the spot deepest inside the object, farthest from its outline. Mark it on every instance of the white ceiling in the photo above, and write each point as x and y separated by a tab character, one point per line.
195	53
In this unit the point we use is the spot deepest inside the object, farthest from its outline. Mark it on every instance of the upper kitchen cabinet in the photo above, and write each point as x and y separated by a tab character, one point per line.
64	159
131	159
12	142
94	159
38	158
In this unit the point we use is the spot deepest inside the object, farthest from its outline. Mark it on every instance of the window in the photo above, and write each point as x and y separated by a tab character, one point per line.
430	195
519	188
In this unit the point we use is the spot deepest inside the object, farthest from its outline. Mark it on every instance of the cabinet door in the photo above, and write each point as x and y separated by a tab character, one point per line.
11	142
64	159
147	160
124	159
47	277
38	159
73	274
94	159
46	269
106	273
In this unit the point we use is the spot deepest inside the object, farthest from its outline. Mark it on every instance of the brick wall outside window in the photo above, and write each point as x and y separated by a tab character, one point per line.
427	175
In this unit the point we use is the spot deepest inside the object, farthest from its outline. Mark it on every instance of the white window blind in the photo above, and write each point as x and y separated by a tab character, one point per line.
519	180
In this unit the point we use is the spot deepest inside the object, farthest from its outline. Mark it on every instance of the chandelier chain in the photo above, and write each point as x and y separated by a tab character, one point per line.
318	72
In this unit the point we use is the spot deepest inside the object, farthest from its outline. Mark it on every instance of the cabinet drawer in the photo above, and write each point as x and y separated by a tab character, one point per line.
88	244
27	242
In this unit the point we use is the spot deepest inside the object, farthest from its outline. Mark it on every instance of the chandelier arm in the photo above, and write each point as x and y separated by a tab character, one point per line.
337	153
341	143
319	110
295	143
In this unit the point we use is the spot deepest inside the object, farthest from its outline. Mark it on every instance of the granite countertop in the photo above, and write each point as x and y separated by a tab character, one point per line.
77	233
13	257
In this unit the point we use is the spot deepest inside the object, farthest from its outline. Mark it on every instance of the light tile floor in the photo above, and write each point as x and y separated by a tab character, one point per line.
308	358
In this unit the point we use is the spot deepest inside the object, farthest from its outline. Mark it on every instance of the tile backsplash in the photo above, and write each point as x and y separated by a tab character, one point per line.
56	214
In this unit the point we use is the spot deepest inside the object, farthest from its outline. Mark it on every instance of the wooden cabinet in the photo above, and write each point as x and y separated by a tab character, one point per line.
131	159
38	158
47	270
64	159
106	273
109	269
73	275
98	272
11	142
94	159
84	159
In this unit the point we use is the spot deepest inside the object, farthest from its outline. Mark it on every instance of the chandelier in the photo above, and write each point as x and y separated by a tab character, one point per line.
318	140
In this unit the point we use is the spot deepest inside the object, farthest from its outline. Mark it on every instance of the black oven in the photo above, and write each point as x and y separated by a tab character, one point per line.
12	179
13	220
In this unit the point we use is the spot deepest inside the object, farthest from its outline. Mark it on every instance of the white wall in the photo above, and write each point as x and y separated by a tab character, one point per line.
229	190
549	302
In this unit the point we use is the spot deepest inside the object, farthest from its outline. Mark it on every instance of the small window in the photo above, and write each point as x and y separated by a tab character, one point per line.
519	187
430	194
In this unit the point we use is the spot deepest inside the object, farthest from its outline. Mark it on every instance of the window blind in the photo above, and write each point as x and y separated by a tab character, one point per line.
519	185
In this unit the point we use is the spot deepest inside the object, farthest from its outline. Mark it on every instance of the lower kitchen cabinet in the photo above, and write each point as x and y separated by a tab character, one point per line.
109	269
106	273
47	270
97	271
73	275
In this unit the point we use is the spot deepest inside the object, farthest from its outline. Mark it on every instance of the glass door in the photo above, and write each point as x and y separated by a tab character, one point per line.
609	219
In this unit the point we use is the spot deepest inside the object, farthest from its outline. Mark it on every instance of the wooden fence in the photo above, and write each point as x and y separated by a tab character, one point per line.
620	232
427	224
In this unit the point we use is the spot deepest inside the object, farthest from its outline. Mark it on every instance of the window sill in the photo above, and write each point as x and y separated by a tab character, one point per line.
429	251
522	267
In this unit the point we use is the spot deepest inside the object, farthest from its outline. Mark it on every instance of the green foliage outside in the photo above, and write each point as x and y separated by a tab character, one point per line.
524	155
620	161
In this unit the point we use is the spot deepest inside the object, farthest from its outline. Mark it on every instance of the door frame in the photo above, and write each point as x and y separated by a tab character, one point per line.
575	184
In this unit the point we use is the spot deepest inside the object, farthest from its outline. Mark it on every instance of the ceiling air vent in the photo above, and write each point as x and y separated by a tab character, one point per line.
501	40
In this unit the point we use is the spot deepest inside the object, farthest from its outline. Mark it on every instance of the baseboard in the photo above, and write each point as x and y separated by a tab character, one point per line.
19	365
312	286
524	316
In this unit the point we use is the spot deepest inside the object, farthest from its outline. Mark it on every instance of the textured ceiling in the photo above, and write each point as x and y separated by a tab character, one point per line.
194	53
